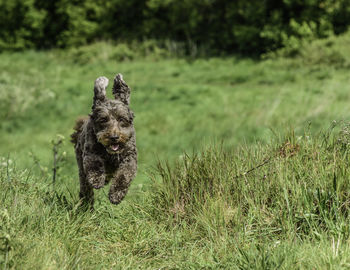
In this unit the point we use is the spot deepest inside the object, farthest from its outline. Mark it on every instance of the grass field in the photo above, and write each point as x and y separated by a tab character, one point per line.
204	212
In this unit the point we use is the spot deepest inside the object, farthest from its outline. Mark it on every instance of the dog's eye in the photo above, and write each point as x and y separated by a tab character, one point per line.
103	120
123	122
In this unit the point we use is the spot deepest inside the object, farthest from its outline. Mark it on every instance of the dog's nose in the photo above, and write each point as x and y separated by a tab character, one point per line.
114	138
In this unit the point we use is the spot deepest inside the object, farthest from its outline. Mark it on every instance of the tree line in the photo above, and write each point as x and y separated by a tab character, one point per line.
218	26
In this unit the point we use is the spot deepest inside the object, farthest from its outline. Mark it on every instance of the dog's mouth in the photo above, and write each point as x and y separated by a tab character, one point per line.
114	148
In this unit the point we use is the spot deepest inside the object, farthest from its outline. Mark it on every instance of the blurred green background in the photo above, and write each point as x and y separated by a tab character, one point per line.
200	72
190	26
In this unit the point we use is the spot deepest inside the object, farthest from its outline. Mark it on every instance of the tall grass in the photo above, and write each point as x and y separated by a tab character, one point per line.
295	189
283	205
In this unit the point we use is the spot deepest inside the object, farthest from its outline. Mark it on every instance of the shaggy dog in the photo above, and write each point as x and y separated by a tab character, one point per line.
105	143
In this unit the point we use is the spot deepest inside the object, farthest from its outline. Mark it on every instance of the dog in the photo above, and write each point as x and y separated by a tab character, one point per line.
105	143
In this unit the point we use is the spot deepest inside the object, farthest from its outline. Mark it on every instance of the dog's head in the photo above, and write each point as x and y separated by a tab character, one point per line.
112	118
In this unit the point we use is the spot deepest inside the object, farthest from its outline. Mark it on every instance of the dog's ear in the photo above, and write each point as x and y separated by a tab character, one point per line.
121	90
100	86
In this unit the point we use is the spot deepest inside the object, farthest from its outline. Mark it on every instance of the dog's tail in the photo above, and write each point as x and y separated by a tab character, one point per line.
77	129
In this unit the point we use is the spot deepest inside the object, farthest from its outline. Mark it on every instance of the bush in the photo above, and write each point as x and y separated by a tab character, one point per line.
332	51
103	51
100	51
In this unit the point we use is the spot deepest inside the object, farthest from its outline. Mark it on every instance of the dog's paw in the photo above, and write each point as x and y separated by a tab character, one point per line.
96	181
117	196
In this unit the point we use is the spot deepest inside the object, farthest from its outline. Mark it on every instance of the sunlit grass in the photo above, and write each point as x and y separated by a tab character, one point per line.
283	205
242	197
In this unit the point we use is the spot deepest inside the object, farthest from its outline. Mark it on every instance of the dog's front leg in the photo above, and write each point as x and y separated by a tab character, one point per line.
94	170
122	178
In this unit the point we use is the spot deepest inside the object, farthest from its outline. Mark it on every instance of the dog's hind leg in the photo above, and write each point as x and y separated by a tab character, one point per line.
86	193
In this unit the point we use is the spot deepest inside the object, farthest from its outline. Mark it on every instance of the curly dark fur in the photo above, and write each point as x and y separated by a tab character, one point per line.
105	143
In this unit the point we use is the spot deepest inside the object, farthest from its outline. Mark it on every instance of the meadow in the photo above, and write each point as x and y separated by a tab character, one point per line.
242	162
